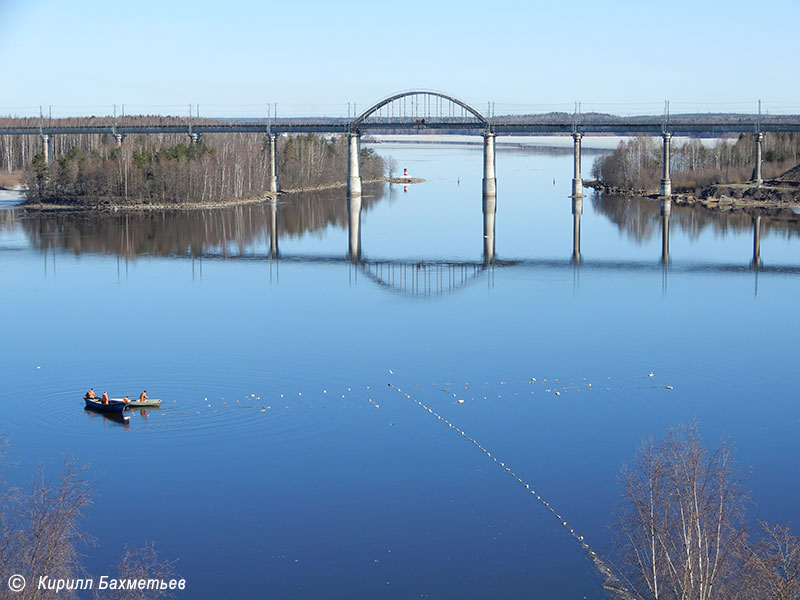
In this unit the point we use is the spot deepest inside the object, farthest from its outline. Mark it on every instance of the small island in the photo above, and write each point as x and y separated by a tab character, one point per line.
405	180
716	177
168	171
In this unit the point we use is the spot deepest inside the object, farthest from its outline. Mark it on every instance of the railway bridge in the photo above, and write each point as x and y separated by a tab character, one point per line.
414	111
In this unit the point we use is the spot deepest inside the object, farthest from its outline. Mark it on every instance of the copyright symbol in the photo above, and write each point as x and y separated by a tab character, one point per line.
16	583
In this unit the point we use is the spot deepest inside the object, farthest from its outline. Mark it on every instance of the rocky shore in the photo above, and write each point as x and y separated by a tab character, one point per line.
121	204
775	195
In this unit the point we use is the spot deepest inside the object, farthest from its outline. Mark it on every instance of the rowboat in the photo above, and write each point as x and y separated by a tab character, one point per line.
113	406
149	403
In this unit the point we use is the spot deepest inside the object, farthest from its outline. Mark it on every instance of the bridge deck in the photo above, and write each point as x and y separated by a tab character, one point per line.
503	127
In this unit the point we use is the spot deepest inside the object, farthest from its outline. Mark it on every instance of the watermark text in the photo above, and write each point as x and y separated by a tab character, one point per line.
105	582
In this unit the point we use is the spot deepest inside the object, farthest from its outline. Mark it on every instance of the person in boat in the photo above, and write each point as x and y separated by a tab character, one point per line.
104	398
126	399
90	394
143	396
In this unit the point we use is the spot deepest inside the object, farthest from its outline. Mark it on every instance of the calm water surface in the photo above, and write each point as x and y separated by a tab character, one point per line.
282	464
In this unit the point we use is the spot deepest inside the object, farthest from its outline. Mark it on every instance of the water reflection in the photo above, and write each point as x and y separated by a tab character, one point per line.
354	203
489	212
233	231
273	229
756	242
666	211
253	231
109	418
425	278
577	211
640	218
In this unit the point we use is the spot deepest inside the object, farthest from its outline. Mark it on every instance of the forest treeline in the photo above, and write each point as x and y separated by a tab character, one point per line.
637	163
167	169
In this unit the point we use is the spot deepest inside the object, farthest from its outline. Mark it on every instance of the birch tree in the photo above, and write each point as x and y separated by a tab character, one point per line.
679	529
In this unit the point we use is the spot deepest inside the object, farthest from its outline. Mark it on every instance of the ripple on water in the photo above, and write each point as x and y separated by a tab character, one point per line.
192	410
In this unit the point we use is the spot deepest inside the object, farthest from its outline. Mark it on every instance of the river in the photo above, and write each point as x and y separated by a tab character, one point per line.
329	428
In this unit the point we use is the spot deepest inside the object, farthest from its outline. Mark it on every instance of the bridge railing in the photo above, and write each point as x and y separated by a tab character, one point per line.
402	111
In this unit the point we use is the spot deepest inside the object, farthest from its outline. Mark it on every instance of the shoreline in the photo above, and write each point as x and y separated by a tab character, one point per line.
768	197
138	206
327	186
109	206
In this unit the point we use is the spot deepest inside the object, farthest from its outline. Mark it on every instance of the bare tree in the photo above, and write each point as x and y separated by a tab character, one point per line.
679	528
142	563
771	565
40	537
40	530
391	166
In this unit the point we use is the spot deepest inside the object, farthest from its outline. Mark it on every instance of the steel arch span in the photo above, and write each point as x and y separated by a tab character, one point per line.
378	105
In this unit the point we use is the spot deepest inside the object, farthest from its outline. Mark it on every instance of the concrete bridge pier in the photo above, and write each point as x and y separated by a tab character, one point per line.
666	211
489	179
354	226
274	184
759	140
46	148
577	182
756	242
118	137
353	166
577	211
273	228
666	183
193	137
489	212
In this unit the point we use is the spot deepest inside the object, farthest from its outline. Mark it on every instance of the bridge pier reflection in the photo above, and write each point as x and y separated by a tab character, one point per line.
666	211
577	211
756	242
489	212
354	227
273	228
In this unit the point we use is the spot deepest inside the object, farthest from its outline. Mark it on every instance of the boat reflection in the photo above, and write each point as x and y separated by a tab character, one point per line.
109	418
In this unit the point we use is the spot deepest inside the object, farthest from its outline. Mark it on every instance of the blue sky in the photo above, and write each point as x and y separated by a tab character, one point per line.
83	56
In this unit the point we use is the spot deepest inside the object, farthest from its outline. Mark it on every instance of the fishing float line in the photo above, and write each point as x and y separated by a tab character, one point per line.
610	580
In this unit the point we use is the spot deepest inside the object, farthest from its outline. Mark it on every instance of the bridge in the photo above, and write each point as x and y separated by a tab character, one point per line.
400	113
